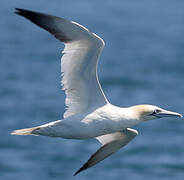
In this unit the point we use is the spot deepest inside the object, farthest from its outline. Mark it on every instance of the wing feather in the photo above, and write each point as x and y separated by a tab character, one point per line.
79	61
110	144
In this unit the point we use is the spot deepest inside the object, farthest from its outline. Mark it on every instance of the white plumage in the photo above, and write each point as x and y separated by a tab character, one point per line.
79	68
88	114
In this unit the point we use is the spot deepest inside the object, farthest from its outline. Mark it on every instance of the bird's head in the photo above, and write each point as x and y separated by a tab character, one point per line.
149	112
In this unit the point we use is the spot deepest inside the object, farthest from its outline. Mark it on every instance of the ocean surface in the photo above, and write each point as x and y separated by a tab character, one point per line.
142	62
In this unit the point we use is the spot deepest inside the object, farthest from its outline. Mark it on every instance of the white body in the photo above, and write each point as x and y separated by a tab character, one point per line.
104	120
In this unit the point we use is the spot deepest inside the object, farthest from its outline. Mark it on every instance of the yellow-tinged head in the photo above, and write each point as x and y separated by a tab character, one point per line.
148	112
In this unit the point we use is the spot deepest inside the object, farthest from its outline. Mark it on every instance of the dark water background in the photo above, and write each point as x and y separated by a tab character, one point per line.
143	62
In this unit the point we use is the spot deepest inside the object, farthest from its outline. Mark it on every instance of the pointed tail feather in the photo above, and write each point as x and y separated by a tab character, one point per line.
27	131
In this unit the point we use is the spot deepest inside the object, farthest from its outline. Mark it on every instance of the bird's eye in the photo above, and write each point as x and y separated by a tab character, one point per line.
157	111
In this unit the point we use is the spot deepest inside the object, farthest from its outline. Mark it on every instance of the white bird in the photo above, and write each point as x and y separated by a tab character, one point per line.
88	114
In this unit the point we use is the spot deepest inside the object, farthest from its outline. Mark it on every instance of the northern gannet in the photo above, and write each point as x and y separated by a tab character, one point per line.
88	114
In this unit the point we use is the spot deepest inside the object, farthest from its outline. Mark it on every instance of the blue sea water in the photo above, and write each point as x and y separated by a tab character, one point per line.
142	62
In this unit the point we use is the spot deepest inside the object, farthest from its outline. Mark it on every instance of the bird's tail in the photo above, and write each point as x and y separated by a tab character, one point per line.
27	131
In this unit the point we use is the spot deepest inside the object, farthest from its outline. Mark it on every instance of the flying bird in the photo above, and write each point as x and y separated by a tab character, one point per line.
88	113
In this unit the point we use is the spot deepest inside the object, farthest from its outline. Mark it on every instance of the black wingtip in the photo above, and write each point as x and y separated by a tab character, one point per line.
81	169
17	11
77	172
33	16
22	12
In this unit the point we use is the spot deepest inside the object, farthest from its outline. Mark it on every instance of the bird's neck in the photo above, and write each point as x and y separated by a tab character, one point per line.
126	116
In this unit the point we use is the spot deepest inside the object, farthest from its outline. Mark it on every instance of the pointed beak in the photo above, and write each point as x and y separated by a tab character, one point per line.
165	113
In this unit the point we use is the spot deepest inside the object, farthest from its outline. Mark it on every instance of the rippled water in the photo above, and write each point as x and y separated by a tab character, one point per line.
143	62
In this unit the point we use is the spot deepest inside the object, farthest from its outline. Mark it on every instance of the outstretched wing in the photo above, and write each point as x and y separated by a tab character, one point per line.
79	62
110	144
